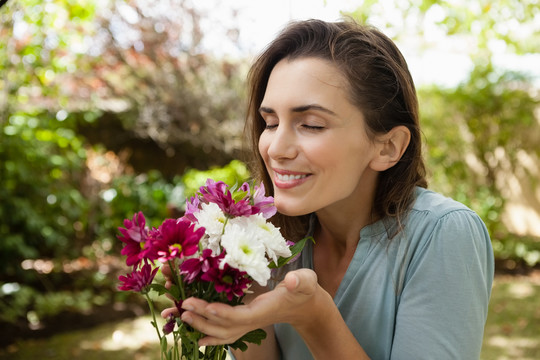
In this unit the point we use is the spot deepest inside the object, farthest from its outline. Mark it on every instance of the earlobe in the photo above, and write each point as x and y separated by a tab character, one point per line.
390	148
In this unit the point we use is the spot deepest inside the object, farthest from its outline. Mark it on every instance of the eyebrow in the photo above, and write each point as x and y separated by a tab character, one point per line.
299	109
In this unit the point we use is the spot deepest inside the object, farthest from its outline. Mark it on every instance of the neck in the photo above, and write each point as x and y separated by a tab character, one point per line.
340	224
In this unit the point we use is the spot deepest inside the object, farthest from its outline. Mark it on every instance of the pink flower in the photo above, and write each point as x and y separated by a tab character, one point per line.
192	269
174	239
192	207
133	235
218	193
263	204
138	280
297	256
228	280
245	188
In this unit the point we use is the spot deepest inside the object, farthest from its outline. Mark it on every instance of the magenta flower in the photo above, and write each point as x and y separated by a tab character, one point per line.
133	235
174	239
192	269
245	188
169	325
138	280
263	204
228	280
218	193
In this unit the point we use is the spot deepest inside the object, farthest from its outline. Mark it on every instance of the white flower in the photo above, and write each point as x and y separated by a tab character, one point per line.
212	218
245	253
267	234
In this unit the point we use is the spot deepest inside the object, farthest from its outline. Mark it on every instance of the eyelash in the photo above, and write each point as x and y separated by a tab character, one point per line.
313	127
308	127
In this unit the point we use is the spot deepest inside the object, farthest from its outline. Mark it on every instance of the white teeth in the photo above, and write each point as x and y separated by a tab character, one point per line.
289	177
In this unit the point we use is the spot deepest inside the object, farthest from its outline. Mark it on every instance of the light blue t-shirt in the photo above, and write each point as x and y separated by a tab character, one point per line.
422	295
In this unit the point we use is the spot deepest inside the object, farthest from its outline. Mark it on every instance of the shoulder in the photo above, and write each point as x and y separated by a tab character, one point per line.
443	280
436	219
438	205
432	207
445	228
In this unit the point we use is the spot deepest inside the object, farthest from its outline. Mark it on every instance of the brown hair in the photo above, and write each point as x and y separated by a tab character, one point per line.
380	85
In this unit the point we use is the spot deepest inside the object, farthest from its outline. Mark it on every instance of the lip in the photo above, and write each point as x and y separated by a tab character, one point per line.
287	179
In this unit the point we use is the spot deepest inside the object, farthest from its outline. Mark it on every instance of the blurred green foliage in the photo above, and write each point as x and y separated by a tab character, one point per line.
155	196
43	211
58	224
235	173
467	128
477	131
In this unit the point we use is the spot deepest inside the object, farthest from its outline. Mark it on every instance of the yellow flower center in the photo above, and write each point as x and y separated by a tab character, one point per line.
245	249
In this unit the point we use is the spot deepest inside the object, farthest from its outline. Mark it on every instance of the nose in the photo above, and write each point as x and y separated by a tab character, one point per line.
282	143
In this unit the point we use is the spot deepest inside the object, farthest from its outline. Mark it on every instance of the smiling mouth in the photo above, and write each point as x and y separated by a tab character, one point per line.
284	179
289	177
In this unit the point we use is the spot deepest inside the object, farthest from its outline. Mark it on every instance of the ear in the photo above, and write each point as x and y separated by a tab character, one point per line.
390	148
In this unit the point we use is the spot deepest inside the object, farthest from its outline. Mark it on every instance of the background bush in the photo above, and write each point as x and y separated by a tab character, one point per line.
93	132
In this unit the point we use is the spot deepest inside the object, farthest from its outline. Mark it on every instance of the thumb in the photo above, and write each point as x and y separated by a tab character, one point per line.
303	281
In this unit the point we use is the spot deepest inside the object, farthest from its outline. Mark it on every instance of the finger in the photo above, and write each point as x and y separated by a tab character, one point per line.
217	334
194	304
170	311
199	307
302	281
214	341
168	285
218	313
166	270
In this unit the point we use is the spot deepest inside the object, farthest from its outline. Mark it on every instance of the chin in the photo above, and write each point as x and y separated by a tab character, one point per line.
291	210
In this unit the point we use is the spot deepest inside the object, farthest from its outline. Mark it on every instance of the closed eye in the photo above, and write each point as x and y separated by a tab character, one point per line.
312	127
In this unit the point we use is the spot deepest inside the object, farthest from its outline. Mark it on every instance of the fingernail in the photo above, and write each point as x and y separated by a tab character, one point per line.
296	281
187	307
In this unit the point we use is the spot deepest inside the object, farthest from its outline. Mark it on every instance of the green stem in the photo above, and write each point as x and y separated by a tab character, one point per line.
175	349
195	355
176	279
220	352
225	224
154	322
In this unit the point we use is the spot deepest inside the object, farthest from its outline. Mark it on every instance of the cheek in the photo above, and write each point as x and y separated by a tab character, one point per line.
329	152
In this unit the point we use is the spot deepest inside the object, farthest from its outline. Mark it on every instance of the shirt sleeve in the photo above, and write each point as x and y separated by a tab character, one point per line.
442	309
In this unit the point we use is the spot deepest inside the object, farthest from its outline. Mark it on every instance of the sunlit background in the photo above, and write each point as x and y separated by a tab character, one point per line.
108	107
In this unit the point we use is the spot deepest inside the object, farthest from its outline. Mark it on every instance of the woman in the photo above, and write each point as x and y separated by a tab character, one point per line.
396	271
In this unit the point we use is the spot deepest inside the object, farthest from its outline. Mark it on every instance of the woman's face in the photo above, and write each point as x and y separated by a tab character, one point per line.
315	145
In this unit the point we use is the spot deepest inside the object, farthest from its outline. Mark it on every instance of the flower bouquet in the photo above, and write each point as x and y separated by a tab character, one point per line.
221	245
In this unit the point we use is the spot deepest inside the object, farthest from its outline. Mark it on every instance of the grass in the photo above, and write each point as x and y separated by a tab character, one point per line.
513	326
512	331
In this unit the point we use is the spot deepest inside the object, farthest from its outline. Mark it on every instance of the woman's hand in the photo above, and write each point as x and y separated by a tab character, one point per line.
293	299
298	300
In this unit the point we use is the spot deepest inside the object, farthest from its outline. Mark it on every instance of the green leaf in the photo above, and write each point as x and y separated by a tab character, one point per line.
194	336
254	337
161	289
239	195
164	344
295	250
